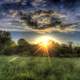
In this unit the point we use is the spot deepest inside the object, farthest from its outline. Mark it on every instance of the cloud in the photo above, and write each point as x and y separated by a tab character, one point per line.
12	22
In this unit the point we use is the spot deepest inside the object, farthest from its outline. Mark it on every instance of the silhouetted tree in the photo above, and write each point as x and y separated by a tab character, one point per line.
5	41
23	47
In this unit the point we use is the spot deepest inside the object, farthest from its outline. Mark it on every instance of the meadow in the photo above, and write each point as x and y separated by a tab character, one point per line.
39	68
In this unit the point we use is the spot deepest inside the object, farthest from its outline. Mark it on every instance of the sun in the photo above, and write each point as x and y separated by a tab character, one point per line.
45	44
44	41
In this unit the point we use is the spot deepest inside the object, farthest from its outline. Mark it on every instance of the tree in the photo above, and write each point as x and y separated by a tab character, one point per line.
5	41
22	42
23	47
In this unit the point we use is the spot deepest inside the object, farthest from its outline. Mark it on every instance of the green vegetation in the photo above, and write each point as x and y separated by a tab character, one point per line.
24	48
39	68
29	66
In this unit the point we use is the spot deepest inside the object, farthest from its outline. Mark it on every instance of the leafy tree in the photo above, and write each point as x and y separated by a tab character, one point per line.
22	42
24	47
5	41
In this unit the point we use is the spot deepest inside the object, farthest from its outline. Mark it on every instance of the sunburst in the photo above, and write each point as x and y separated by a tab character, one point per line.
44	44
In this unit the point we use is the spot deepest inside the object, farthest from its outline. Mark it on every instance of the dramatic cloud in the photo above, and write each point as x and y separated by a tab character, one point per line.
26	16
14	21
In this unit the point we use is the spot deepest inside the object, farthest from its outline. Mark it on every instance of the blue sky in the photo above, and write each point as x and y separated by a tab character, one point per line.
69	11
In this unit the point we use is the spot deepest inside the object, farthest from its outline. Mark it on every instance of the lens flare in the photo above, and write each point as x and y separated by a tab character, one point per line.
45	43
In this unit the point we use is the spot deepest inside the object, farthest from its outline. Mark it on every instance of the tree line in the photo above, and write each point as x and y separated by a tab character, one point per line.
24	48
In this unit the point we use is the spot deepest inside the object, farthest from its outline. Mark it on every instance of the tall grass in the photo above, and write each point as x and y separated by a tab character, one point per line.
39	68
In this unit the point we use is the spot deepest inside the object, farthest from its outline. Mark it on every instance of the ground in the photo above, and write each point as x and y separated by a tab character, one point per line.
39	68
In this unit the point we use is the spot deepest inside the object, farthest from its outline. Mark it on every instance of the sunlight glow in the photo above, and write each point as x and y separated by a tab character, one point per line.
45	40
45	43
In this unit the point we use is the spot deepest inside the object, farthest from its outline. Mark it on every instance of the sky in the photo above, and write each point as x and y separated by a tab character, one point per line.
67	11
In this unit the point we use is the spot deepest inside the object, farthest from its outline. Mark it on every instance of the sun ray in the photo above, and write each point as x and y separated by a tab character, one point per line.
43	45
46	44
39	48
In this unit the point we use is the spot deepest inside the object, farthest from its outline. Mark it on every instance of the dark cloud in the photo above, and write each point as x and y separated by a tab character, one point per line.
23	4
64	25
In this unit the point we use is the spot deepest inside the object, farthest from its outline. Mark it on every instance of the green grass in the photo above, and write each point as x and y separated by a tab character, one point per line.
39	68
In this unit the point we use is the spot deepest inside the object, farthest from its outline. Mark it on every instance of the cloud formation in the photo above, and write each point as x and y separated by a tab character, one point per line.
64	20
14	22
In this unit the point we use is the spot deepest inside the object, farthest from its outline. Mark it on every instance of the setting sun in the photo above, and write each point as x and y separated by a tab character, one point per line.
45	40
45	44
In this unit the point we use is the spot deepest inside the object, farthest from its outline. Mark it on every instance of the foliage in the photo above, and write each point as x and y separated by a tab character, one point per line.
5	41
39	68
23	47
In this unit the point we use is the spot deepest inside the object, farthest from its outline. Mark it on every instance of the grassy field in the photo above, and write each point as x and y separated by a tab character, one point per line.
39	68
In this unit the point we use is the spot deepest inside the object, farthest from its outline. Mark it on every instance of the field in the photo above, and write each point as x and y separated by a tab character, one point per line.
39	68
